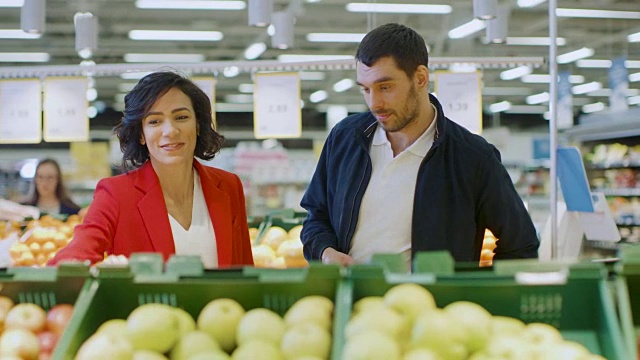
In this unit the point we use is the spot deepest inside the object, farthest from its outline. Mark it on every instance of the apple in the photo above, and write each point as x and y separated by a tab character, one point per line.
421	354
409	299
26	316
563	350
273	237
257	349
220	319
541	334
153	327
382	319
260	323
508	347
6	303
371	345
192	343
475	321
47	340
148	355
19	342
106	346
435	330
116	326
211	355
58	317
186	323
505	325
306	339
366	303
312	308
294	232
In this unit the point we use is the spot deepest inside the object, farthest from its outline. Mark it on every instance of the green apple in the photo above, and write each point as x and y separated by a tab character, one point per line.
366	303
257	349
509	347
192	343
117	326
409	299
382	319
148	355
306	339
260	323
421	354
106	346
505	325
26	316
541	334
475	321
313	308
563	350
19	342
211	355
371	345
153	327
220	319
186	323
435	330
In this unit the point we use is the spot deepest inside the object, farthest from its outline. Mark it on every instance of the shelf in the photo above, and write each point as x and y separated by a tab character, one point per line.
603	126
619	192
614	166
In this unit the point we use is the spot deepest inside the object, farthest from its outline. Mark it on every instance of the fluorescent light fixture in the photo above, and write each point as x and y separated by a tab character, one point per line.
231	71
303	57
589	108
191	4
92	112
575	55
245	88
534	41
600	14
586	88
175	35
398	8
343	85
545	79
529	3
634	100
239	98
505	91
92	94
498	27
86	29
606	92
163	58
632	64
24	57
593	63
134	75
318	96
255	50
312	75
467	29
634	77
635	37
527	109
500	107
335	37
11	3
537	98
515	73
126	87
17	34
32	16
282	22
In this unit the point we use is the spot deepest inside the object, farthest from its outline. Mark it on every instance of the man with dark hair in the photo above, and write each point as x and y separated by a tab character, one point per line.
402	177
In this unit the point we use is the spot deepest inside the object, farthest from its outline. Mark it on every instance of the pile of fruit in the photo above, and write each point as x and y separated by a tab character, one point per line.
28	331
278	248
406	324
488	245
223	330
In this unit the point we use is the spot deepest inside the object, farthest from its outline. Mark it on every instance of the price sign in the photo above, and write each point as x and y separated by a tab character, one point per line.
461	99
65	109
276	100
20	109
208	85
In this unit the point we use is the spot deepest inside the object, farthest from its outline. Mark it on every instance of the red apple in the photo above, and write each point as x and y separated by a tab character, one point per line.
48	341
26	316
58	317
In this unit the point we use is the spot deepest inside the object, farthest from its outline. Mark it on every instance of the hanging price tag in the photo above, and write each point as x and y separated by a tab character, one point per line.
20	109
461	98
276	100
65	109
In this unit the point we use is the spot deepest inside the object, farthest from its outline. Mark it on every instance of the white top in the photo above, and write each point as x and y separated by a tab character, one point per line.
386	212
199	239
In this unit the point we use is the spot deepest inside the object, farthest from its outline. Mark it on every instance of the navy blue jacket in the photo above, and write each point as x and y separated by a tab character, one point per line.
462	189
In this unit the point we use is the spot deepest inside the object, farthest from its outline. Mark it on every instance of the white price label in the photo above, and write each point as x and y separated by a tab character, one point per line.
65	109
461	99
20	109
277	106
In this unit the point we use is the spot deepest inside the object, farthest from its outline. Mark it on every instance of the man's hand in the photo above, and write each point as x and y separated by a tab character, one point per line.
333	256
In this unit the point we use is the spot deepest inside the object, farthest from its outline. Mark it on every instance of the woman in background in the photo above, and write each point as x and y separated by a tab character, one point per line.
49	193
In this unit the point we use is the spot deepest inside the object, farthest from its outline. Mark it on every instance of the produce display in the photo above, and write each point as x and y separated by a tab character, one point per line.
278	248
28	331
222	330
405	323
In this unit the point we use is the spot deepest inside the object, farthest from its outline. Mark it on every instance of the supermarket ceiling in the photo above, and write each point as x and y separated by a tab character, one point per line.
606	37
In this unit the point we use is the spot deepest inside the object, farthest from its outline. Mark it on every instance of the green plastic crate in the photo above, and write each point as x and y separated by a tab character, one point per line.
118	290
582	307
627	289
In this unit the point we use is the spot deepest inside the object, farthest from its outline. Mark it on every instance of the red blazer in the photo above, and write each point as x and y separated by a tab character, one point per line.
128	214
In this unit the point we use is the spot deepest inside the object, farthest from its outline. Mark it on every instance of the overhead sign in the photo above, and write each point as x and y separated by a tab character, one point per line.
65	109
276	105
461	98
20	111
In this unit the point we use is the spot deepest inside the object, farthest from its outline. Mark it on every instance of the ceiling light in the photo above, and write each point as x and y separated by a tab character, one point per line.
529	3
589	108
92	94
259	12
534	41
500	107
632	64
592	13
231	71
635	37
593	63
634	77
302	57
575	55
17	34
585	88
467	29
163	58
318	96
175	35
537	98
191	4
86	28
283	25
335	37
634	100
515	73
343	85
245	88
505	91
604	92
545	79
498	27
312	75
255	50
32	16
11	3
398	8
485	9
24	57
